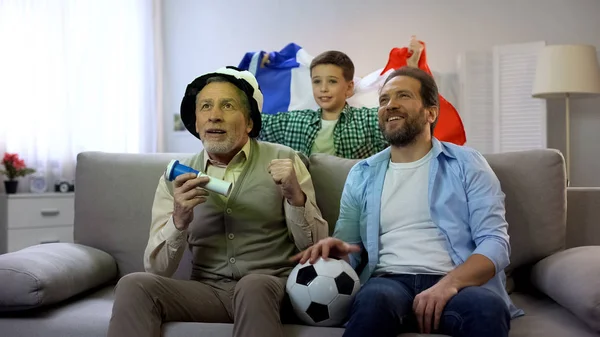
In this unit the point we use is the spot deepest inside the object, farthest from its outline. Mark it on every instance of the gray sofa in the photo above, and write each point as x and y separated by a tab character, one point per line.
62	290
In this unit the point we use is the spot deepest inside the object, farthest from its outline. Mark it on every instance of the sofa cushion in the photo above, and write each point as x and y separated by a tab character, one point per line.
329	175
113	203
535	186
89	314
572	278
181	329
544	317
46	274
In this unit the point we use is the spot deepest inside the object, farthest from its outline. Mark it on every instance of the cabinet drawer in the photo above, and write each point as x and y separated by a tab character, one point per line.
40	212
21	238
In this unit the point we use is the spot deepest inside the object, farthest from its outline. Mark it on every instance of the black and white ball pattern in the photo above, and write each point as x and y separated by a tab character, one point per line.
321	293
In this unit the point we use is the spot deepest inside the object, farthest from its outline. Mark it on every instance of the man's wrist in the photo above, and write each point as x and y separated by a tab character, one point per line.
450	280
413	62
298	200
171	232
177	223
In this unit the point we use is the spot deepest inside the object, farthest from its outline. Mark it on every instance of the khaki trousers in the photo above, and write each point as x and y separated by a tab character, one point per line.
143	301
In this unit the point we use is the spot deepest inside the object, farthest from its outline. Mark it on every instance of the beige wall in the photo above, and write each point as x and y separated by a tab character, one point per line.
585	125
202	35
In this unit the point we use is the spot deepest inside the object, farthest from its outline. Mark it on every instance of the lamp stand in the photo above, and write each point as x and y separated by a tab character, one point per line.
568	140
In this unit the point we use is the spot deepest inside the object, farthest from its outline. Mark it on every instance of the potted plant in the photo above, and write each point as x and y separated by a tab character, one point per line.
14	167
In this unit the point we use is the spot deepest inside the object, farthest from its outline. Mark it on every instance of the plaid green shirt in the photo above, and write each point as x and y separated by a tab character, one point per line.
356	134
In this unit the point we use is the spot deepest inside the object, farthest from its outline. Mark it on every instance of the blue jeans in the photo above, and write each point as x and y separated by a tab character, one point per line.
383	307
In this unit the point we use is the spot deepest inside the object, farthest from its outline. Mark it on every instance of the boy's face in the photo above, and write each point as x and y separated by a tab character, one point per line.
330	89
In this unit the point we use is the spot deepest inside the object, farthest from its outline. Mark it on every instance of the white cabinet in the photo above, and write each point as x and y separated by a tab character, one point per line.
28	219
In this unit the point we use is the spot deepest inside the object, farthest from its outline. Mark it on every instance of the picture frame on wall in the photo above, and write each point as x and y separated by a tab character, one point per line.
178	123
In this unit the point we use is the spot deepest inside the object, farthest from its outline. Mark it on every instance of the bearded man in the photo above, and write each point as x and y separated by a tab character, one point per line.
423	222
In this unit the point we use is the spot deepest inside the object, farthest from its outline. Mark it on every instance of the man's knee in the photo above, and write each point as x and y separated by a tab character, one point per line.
260	286
479	303
476	311
381	307
135	291
136	285
382	292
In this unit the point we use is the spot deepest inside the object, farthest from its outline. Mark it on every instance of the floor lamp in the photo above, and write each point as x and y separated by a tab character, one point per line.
567	71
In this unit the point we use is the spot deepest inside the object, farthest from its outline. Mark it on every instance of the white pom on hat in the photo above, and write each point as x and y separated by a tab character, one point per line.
248	77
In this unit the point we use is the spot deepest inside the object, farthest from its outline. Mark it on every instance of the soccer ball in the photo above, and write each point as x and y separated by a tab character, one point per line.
321	293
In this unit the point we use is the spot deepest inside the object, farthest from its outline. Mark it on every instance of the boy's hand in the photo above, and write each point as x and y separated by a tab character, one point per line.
416	48
265	60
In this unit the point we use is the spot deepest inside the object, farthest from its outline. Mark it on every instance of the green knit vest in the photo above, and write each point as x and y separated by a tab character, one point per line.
247	233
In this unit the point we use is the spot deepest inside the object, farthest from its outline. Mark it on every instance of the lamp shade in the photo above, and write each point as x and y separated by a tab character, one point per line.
567	69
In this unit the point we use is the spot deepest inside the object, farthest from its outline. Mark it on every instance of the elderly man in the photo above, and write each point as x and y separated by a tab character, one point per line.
429	218
241	244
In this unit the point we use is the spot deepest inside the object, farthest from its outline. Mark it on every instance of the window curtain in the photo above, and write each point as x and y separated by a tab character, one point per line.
78	76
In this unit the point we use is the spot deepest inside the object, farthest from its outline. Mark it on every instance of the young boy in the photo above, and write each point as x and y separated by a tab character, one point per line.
336	128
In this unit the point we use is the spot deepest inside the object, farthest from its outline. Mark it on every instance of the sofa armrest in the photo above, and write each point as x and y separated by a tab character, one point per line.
50	273
583	216
572	279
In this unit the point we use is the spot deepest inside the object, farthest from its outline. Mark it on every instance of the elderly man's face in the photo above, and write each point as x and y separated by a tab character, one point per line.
221	119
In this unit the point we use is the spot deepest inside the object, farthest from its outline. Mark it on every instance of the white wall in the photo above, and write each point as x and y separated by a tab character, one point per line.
202	35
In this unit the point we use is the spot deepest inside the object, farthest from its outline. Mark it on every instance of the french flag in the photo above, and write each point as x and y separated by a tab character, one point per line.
284	79
449	126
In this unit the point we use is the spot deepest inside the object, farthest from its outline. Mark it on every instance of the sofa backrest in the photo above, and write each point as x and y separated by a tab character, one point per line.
113	203
329	176
533	181
536	202
114	195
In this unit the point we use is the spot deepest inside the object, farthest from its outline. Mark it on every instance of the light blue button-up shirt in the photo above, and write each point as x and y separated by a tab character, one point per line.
465	202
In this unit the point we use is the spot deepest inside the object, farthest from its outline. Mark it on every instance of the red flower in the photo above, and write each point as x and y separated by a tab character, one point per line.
14	166
19	164
10	157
